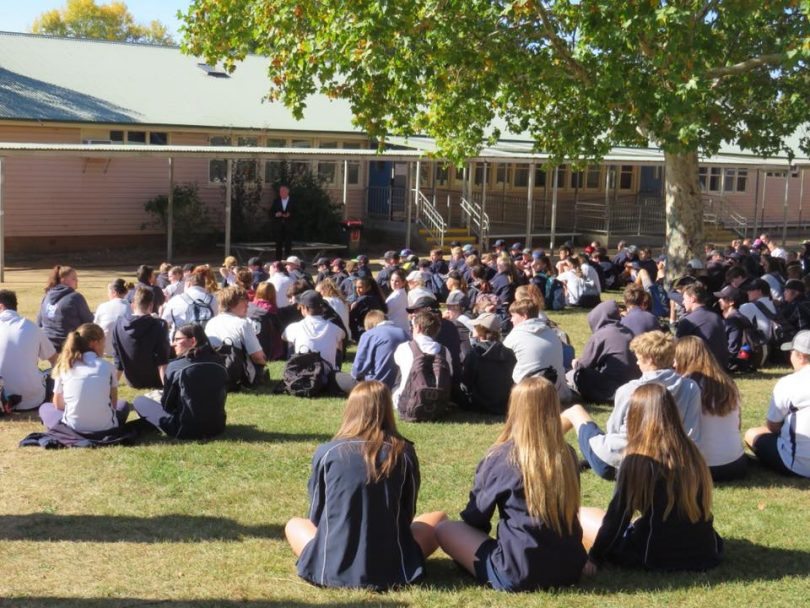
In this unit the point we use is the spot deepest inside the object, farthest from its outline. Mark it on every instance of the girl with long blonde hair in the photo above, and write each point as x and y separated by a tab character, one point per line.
85	393
530	476
361	530
720	422
664	478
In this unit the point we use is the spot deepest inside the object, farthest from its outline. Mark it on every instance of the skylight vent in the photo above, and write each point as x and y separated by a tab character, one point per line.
215	71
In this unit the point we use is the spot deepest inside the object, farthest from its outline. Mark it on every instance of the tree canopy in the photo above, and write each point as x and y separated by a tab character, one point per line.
86	19
579	76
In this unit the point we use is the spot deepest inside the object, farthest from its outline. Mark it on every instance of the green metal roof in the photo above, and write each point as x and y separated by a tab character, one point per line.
75	80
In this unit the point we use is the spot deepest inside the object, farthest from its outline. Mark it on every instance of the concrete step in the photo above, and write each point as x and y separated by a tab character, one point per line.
454	233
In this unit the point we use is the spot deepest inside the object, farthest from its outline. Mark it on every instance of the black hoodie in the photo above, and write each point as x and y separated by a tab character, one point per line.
487	376
141	345
62	311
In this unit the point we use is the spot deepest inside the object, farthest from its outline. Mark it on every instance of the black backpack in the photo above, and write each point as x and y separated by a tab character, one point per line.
426	394
242	372
306	374
782	332
754	344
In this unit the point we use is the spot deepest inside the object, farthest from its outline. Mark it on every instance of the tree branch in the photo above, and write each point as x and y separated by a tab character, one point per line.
559	45
746	66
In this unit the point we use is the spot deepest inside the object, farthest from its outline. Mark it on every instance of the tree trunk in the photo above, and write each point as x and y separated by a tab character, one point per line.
684	206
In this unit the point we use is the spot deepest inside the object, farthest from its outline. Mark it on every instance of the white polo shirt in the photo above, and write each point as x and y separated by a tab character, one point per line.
86	390
106	315
790	405
22	346
281	282
179	310
227	327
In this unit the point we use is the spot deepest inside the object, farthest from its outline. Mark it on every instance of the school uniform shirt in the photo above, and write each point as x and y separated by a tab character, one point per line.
179	310
790	405
340	308
314	333
640	321
529	554
85	387
106	315
140	347
575	287
375	354
719	440
281	282
708	326
653	542
364	534
237	331
403	357
22	346
62	311
756	316
397	303
537	345
610	446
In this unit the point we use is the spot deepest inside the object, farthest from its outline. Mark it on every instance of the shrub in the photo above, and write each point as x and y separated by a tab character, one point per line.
192	225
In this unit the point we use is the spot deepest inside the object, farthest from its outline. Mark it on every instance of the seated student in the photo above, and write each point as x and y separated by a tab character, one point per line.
638	320
390	264
607	362
63	309
244	280
141	343
176	283
486	379
368	297
581	289
232	326
335	299
703	323
655	353
665	479
530	476
448	335
362	530
397	301
783	444
314	333
192	405
259	275
720	409
437	263
85	392
738	328
795	311
146	278
22	346
282	282
425	325
162	276
537	347
108	312
264	315
760	308
375	353
193	305
463	324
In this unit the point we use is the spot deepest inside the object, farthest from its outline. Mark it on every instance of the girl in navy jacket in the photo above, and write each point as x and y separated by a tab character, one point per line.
530	476
361	530
663	477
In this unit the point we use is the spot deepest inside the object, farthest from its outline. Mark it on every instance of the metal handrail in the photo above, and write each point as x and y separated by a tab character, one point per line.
429	217
716	210
473	212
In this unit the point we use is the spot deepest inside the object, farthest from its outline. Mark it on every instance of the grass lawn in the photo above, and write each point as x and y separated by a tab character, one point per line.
176	524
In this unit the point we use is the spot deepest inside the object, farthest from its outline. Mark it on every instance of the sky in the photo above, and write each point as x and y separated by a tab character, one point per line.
18	15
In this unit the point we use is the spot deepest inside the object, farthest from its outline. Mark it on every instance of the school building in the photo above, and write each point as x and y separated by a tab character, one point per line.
91	130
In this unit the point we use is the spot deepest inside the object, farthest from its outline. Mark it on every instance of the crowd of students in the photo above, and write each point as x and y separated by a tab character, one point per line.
663	358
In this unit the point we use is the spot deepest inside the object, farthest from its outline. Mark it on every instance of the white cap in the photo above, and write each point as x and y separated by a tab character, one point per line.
415	275
293	260
800	343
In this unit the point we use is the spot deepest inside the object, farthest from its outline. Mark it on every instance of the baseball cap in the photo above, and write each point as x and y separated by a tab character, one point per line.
757	244
728	293
391	255
255	261
337	262
467	248
588	249
363	259
488	321
800	342
405	253
455	298
758	285
516	247
526	251
795	285
293	260
414	275
695	263
310	299
322	262
423	302
500	243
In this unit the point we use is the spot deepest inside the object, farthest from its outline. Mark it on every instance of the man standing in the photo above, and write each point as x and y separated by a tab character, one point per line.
282	222
22	345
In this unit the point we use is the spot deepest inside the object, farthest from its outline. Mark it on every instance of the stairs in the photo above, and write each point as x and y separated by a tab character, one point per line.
452	234
718	235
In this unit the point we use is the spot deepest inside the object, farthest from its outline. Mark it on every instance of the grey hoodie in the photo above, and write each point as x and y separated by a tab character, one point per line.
537	345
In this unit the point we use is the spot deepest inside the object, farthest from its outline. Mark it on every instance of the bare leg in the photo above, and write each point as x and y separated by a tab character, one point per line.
424	530
461	542
590	518
299	531
574	417
751	435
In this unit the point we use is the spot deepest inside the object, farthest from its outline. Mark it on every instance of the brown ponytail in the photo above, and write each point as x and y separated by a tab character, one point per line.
76	344
56	276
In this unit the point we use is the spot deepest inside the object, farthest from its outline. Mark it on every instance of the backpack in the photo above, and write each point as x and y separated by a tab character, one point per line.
437	287
660	301
426	393
201	311
782	331
236	364
7	402
306	374
267	330
754	345
554	294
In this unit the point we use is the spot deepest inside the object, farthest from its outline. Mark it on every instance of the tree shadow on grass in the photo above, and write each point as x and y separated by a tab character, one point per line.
132	602
246	433
119	528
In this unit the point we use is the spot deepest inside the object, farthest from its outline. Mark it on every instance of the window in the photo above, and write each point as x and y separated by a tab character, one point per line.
503	173
248	168
158	138
327	170
592	175
780	174
352	166
576	179
300	166
626	177
709	179
136	137
118	137
442	175
735	180
479	174
539	177
272	168
218	168
521	176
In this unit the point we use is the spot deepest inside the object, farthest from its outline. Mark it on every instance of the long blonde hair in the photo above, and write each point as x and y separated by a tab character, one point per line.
76	344
548	467
719	394
369	415
658	448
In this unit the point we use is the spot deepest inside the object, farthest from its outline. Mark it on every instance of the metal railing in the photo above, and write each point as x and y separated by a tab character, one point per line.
717	211
429	217
628	215
386	202
477	222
